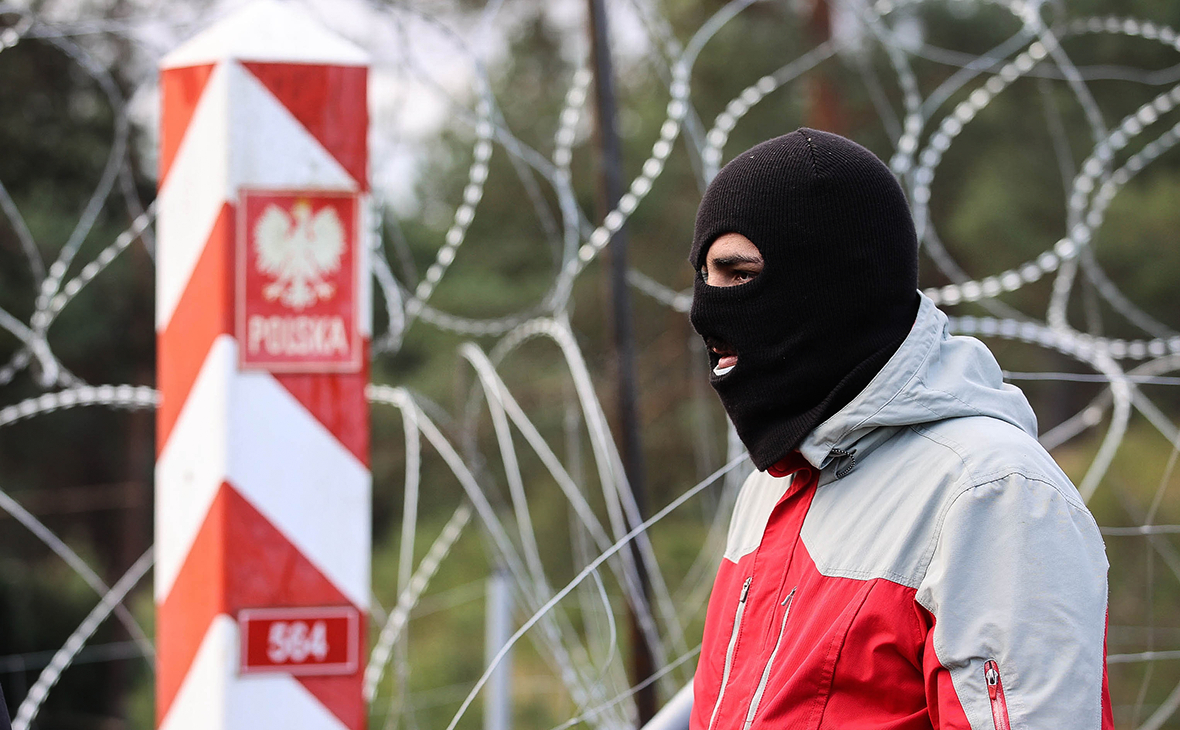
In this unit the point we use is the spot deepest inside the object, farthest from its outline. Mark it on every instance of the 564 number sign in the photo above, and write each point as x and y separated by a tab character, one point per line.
296	642
321	640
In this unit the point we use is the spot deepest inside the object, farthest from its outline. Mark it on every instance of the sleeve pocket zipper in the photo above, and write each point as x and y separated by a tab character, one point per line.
995	693
733	635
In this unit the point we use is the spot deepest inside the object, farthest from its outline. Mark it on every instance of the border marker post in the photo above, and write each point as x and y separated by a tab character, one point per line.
262	316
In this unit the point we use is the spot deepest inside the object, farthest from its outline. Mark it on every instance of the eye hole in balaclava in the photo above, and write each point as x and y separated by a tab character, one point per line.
835	298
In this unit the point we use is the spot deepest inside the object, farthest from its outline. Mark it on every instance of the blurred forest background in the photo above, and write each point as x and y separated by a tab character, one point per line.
999	199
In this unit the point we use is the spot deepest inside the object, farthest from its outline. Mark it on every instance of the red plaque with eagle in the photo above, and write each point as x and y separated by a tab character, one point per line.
297	292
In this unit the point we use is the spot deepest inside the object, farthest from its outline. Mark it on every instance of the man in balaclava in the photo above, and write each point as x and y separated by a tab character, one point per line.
907	555
837	295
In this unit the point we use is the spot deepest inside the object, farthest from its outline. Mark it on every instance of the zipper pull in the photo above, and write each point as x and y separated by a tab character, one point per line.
995	693
991	675
746	589
787	600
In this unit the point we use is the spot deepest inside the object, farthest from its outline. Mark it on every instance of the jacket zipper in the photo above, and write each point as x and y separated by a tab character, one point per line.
995	692
770	662
737	624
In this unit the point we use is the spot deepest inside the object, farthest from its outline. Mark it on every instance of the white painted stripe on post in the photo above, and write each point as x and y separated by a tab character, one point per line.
279	457
267	31
302	479
193	464
196	188
270	148
214	695
267	147
201	701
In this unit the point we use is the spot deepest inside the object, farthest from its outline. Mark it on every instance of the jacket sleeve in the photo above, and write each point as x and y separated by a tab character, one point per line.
1016	586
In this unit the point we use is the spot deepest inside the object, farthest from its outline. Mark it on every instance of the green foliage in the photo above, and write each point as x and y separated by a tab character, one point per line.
86	474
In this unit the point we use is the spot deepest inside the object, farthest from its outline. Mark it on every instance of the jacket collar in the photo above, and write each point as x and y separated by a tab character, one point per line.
932	376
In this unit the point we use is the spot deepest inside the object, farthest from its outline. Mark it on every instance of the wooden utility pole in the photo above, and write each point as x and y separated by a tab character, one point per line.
824	110
610	169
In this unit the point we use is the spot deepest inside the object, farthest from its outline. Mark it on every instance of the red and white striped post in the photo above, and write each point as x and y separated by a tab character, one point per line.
262	315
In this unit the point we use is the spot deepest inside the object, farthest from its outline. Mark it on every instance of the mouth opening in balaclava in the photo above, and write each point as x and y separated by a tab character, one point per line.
835	298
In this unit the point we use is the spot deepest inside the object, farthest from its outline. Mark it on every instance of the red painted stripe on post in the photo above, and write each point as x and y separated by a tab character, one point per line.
197	596
260	549
330	101
339	694
180	91
332	400
204	311
235	545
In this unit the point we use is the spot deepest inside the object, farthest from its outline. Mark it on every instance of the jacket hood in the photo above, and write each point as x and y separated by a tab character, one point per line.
933	376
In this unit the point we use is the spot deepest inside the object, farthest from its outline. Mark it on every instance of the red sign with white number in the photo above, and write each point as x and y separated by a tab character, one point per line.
300	640
297	293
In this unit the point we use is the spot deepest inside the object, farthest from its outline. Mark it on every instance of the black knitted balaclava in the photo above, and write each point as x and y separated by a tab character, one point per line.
837	293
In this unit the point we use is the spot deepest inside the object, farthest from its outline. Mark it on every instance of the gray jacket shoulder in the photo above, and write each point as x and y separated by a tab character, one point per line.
989	449
883	519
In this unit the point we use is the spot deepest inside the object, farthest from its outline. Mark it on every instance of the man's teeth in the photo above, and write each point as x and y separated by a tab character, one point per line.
726	358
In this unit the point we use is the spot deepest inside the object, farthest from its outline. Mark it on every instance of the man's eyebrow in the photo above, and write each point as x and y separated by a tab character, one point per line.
737	259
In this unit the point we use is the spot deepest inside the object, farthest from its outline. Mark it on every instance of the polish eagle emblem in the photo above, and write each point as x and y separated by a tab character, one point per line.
299	250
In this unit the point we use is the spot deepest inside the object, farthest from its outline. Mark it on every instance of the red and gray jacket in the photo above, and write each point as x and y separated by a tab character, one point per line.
921	562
